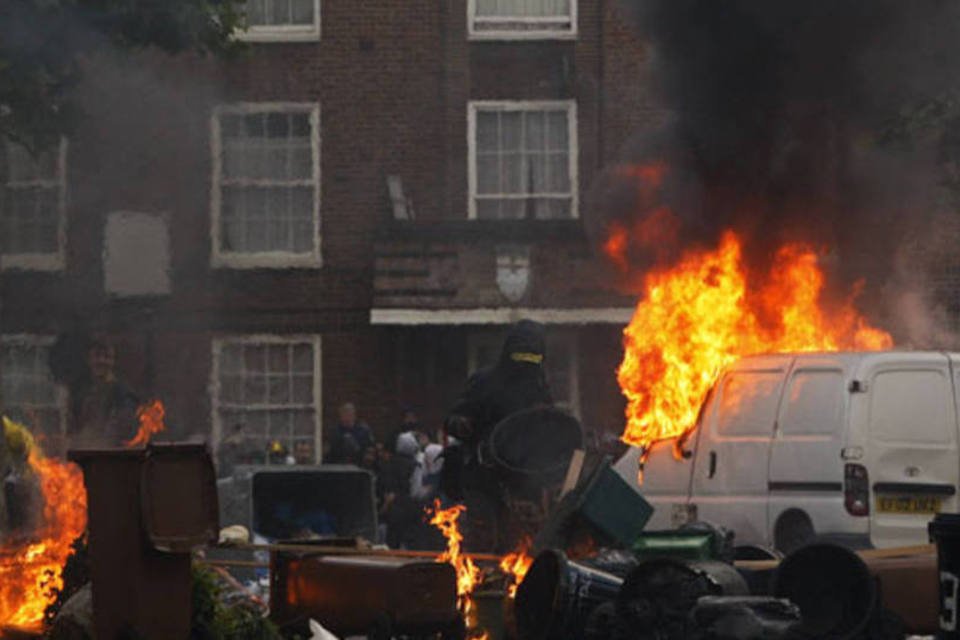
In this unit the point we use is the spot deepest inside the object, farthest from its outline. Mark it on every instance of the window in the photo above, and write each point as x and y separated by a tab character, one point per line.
561	364
32	205
814	403
28	393
522	19
912	406
267	389
266	186
523	160
748	403
282	20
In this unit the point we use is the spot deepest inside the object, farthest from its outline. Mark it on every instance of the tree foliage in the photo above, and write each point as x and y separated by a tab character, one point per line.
43	43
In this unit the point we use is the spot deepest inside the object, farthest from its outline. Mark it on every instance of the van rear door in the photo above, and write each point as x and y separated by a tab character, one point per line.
911	455
730	473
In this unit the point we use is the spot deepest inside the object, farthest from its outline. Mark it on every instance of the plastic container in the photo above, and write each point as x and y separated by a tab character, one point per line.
945	533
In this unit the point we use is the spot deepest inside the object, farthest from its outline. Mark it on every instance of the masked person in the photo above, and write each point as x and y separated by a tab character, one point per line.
516	382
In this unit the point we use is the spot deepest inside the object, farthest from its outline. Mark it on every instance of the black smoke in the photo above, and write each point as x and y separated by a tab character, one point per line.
776	113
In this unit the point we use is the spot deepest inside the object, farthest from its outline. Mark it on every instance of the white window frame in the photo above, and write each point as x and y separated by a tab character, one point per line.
267	339
548	32
284	32
493	339
570	106
39	340
55	261
265	259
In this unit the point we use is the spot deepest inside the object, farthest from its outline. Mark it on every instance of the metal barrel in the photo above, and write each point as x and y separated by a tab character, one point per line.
837	595
558	595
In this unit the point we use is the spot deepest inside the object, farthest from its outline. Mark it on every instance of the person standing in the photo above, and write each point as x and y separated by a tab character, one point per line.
104	409
516	382
351	437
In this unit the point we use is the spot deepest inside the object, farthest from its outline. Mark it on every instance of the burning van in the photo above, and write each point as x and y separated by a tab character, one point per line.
859	448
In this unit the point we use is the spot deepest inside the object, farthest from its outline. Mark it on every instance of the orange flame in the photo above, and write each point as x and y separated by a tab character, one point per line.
702	314
30	570
468	574
515	566
150	416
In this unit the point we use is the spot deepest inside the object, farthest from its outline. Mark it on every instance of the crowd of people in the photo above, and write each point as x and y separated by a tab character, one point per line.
407	466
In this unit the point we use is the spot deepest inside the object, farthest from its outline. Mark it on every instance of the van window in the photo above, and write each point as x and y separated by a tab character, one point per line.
748	403
813	403
911	405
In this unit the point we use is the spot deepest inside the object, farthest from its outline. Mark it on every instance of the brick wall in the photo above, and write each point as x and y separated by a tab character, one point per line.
393	79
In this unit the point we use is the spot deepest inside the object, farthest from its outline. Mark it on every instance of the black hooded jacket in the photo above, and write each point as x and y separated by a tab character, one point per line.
515	383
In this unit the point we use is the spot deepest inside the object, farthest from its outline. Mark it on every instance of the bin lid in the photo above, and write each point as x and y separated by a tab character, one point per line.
178	497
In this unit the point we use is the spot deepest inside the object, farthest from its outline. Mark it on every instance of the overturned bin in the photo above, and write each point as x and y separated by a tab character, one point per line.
373	595
558	596
147	508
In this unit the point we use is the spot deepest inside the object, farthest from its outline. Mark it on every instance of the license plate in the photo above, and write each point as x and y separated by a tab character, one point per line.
908	504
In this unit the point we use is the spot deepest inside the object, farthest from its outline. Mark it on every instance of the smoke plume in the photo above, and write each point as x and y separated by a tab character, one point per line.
776	116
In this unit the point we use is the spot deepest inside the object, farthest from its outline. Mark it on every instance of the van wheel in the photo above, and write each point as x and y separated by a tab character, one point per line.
793	530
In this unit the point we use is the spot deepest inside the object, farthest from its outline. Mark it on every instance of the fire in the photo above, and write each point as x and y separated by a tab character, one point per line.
702	314
515	566
468	574
30	569
150	416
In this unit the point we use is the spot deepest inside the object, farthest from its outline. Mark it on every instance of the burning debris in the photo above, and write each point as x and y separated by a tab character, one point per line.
31	561
700	315
468	573
515	566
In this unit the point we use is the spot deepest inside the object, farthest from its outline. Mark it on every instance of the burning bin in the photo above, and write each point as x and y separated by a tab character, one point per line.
146	510
374	595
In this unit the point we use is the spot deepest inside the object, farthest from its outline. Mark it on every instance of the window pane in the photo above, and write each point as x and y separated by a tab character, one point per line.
513	209
303	12
279	11
814	403
748	403
488	174
557	179
557	131
303	390
256	12
514	174
552	208
511	128
488	131
535	132
488	209
487	7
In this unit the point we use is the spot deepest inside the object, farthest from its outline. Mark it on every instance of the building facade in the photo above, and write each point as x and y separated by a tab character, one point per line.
353	209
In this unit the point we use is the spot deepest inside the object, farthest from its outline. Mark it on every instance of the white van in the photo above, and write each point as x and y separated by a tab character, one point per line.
857	448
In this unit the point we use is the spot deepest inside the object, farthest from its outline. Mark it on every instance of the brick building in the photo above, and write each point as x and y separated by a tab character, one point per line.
354	209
